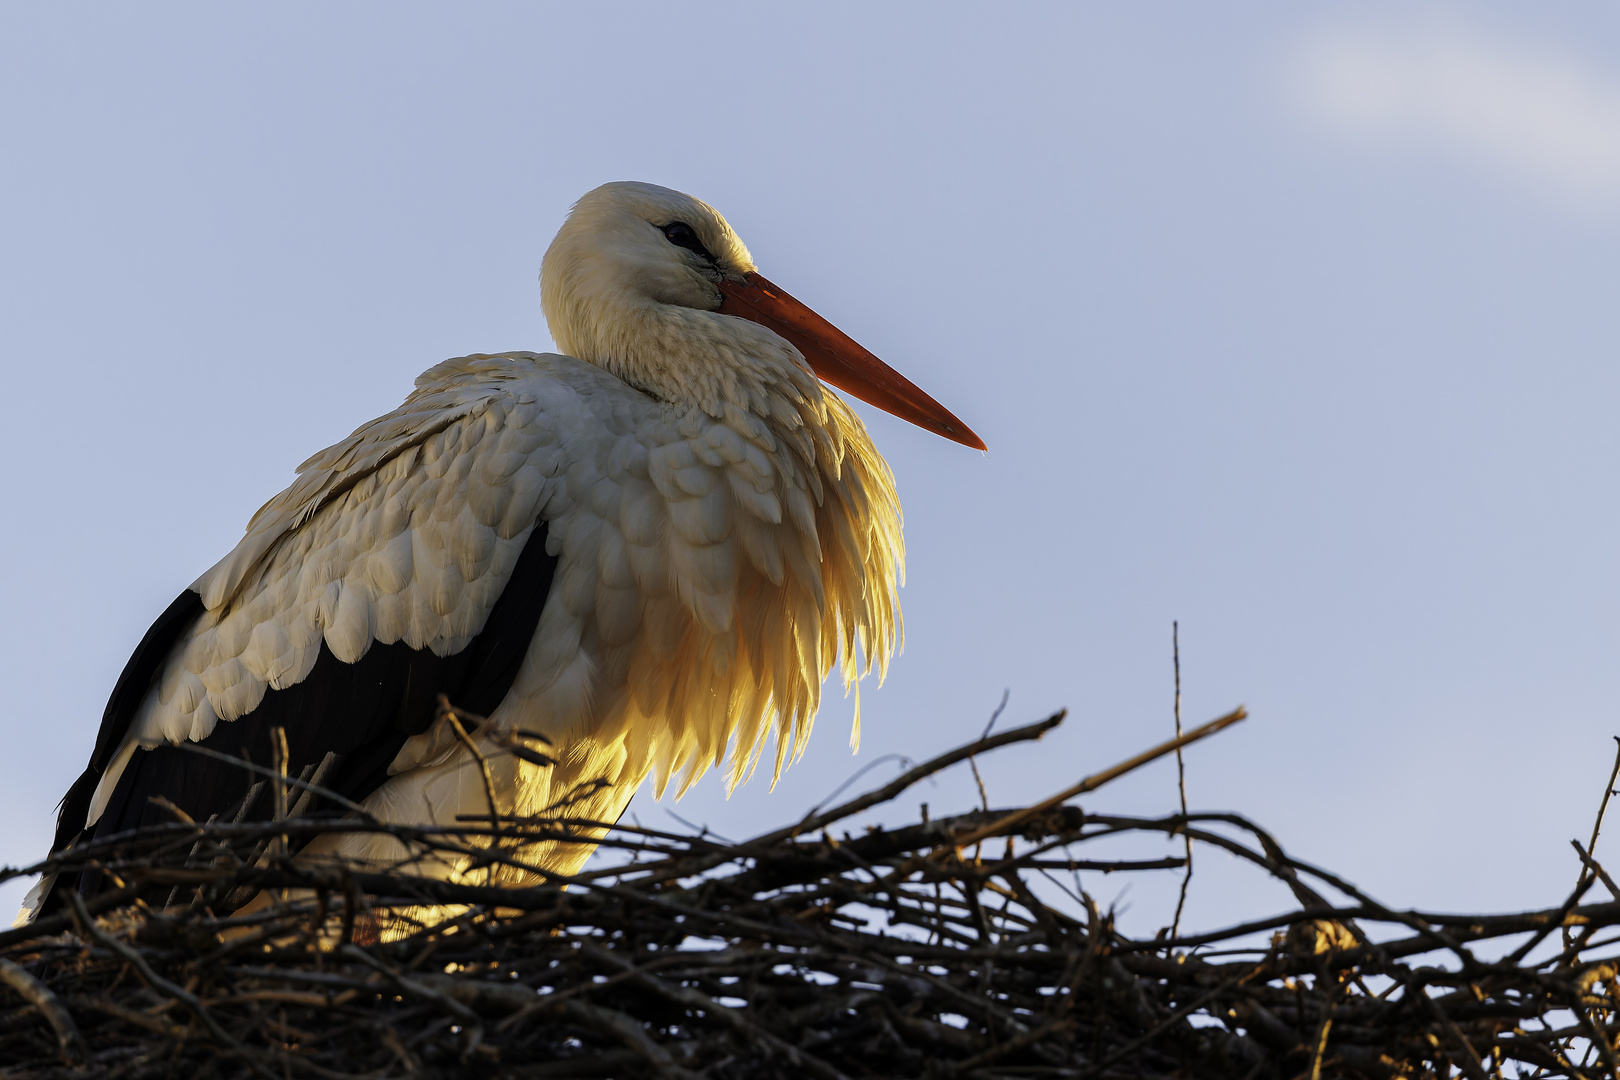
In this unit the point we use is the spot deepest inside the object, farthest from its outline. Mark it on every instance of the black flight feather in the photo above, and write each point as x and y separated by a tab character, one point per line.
363	712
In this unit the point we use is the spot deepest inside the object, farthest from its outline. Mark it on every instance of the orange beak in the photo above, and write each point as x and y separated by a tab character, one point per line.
837	359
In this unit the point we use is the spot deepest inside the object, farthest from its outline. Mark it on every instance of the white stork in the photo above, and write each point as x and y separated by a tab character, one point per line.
650	548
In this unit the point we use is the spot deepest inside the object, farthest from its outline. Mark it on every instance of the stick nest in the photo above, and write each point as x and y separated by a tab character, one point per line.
954	947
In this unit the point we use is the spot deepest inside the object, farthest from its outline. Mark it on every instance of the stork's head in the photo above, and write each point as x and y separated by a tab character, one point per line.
651	284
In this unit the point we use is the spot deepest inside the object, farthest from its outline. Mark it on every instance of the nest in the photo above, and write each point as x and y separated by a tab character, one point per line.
953	947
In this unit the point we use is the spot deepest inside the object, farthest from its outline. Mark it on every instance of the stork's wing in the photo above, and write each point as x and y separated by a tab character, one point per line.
406	561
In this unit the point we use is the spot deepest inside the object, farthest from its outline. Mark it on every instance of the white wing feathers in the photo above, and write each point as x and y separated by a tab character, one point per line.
405	531
446	393
708	574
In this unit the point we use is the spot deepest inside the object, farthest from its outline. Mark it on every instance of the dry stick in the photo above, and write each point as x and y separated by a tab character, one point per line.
447	712
414	987
1598	1039
89	856
1326	1026
901	759
627	1030
1181	780
1470	1063
68	1038
173	811
309	786
1286	869
309	781
733	1018
280	844
158	982
1097	780
278	761
719	855
1608	791
1274	859
1596	1036
1597	824
1017	1043
1595	867
549	1001
149	1021
1164	1025
973	762
1321	1047
908	778
54	924
1559	920
305	785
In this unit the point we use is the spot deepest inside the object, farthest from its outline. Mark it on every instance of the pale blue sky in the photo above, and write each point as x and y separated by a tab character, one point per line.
1296	323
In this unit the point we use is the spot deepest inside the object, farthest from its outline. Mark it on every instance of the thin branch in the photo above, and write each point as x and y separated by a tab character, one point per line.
1093	782
87	923
68	1036
812	822
1181	782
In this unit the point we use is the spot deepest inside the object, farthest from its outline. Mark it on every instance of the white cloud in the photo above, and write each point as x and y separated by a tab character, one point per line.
1549	117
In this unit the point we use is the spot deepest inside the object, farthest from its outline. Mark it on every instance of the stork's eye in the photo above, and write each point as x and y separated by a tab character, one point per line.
683	235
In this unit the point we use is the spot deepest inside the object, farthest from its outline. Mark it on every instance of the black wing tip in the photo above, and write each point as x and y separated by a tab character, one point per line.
385	697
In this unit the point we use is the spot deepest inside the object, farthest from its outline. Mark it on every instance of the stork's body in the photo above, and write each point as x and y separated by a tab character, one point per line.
649	550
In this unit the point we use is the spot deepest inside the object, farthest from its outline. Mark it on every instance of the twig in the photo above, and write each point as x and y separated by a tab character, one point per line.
447	712
1186	1010
1181	782
905	762
1595	867
88	924
1092	783
973	762
416	988
50	1006
1608	793
305	785
278	789
812	822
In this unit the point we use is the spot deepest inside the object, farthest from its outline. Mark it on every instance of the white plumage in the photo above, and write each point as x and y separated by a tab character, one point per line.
724	531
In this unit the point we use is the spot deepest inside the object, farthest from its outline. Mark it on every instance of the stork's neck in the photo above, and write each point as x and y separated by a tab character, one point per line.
686	357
